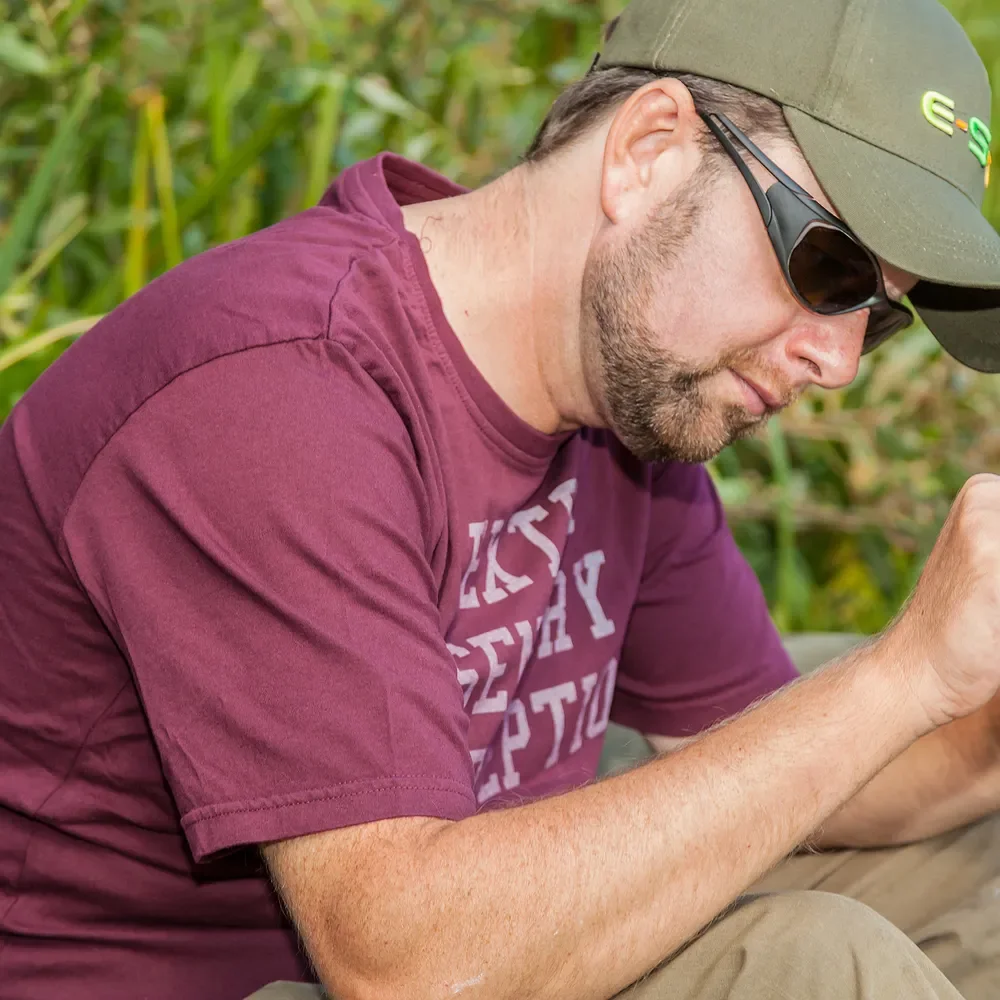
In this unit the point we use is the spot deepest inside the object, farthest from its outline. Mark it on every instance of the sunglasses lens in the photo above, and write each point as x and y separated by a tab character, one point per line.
831	271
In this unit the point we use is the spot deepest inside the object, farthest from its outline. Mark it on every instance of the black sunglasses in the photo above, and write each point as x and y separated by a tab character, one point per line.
826	266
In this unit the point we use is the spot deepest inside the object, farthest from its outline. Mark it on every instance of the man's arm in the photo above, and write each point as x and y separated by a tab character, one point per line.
578	895
947	779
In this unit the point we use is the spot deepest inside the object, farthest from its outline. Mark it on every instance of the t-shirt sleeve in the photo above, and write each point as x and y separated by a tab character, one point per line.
700	645
259	539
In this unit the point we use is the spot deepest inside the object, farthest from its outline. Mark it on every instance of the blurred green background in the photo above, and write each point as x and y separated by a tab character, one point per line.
135	133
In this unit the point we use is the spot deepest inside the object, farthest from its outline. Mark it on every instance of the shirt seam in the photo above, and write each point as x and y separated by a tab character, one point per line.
315	335
371	372
370	786
38	811
148	399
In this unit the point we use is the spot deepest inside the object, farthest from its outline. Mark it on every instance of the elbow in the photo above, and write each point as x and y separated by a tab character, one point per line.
362	988
402	981
383	915
368	966
394	951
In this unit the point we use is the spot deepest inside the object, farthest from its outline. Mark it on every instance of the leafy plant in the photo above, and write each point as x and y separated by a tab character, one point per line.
135	133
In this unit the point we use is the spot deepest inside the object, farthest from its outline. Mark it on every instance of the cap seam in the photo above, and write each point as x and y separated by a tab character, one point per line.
855	48
671	29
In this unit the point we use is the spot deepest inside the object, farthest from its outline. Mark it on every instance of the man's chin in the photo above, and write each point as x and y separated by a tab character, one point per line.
698	449
743	431
672	438
688	451
748	430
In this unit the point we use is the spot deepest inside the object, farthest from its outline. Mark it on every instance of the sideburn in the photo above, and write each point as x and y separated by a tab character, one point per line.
651	400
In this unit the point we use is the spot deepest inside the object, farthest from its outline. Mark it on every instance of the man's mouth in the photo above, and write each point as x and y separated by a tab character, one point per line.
758	399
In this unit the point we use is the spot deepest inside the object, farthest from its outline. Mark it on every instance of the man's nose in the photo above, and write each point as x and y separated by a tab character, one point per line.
826	350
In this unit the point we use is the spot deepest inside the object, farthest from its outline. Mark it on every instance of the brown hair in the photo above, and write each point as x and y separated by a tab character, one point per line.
586	103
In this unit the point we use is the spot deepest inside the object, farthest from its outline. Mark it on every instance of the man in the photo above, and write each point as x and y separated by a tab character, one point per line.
339	545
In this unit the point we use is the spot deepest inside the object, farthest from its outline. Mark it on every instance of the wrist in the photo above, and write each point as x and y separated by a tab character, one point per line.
901	682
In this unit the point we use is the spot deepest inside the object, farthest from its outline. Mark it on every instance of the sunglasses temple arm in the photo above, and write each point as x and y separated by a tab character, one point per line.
760	155
755	189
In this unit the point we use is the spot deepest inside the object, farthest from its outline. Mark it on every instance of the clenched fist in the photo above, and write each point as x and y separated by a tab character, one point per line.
945	642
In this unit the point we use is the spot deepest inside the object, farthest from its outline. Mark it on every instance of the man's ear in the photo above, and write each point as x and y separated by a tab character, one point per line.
650	149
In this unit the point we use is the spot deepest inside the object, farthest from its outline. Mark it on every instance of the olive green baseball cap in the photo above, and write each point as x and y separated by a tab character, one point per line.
890	105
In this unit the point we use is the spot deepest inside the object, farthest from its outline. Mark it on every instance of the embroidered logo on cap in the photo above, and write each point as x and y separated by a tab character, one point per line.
940	112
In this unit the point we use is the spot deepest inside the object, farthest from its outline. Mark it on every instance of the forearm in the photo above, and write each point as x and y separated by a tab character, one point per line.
947	779
579	895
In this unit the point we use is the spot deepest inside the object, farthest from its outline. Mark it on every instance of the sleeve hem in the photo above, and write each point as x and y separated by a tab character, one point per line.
211	829
688	718
650	721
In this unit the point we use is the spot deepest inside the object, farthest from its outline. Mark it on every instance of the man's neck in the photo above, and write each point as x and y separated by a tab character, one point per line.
507	267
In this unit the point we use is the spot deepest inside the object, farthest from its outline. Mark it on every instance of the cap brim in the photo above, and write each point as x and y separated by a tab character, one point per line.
920	223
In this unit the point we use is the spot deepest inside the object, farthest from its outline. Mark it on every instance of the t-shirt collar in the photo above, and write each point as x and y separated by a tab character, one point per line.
378	188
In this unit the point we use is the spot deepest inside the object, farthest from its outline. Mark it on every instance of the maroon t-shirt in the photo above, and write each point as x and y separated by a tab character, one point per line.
276	559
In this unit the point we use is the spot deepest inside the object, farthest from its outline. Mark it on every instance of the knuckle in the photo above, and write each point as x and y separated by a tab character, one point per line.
971	522
981	489
977	507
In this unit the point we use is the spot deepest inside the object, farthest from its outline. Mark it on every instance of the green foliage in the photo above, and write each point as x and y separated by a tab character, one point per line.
135	133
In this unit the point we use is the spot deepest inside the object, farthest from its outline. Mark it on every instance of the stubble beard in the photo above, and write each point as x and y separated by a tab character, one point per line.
656	404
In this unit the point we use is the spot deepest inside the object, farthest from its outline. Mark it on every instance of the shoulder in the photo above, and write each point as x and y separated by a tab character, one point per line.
268	299
285	425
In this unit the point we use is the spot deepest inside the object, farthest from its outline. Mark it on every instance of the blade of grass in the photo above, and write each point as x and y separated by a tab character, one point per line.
781	469
219	110
66	18
230	212
32	204
48	254
241	77
21	57
240	218
324	136
218	103
306	13
136	257
43	27
991	207
27	348
277	118
163	171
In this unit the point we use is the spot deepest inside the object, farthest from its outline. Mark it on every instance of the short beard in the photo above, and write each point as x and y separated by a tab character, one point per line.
652	401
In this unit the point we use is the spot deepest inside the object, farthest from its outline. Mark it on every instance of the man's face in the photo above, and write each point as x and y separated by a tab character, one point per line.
692	338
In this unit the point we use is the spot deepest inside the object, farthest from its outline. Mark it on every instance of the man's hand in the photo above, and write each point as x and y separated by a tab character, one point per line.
947	639
578	895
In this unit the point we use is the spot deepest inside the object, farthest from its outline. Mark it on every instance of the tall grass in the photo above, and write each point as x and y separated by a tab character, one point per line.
136	133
